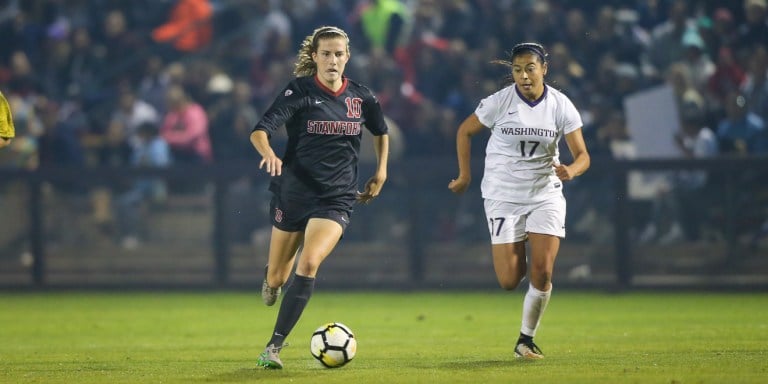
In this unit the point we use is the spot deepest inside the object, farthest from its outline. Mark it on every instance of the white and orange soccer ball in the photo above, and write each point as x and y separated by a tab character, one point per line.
333	344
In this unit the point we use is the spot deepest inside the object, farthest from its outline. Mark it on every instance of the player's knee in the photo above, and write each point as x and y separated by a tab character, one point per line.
308	267
509	283
541	280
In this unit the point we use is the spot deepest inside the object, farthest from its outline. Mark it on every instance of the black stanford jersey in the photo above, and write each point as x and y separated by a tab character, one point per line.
324	134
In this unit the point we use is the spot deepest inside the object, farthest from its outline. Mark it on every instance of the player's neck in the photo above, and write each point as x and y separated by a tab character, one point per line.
334	85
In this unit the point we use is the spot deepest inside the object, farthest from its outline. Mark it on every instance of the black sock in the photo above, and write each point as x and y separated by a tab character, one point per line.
524	339
294	301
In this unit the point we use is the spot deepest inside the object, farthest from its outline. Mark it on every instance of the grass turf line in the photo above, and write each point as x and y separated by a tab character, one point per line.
402	337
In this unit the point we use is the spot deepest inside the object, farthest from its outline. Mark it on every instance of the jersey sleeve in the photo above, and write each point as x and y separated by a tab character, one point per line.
487	110
6	120
374	116
570	118
282	108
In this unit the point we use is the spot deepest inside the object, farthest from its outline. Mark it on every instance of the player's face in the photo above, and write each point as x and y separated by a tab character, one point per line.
528	72
331	58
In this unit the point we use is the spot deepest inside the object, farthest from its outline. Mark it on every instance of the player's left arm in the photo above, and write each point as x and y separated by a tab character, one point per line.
376	182
581	160
374	121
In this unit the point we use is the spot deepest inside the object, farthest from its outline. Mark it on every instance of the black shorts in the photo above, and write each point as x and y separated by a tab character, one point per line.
293	215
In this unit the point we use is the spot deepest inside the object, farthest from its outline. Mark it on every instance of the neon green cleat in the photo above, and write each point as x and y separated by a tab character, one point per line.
270	358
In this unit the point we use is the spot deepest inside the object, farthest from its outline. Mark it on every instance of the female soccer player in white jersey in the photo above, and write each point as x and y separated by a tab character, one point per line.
523	180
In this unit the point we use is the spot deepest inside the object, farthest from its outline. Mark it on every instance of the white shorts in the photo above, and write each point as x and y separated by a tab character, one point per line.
511	222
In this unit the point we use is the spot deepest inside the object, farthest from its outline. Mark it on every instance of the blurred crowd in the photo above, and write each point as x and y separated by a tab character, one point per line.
83	75
89	79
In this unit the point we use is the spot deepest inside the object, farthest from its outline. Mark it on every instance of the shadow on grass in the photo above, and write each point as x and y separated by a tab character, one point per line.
247	375
480	364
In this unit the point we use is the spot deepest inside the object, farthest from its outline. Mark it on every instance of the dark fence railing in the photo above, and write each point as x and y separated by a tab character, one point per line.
416	235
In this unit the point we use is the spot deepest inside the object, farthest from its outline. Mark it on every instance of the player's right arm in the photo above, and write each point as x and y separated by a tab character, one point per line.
273	163
470	127
282	109
6	122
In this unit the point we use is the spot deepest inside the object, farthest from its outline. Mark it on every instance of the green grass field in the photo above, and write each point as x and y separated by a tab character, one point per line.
402	338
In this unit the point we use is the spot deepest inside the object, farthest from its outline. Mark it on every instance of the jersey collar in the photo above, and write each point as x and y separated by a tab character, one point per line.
534	102
328	90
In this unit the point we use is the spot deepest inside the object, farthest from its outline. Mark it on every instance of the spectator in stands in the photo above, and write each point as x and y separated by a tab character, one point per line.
130	114
305	16
119	43
86	64
154	82
55	75
149	150
696	141
695	58
269	33
605	134
723	32
24	79
383	23
60	146
460	21
741	132
676	212
231	123
185	128
754	32
23	32
755	85
667	38
572	36
728	76
189	26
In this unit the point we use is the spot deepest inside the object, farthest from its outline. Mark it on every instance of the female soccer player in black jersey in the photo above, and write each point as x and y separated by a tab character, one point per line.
315	183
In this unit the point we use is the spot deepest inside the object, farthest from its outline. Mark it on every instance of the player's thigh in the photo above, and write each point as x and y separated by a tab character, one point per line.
543	252
509	263
506	222
320	238
541	263
282	251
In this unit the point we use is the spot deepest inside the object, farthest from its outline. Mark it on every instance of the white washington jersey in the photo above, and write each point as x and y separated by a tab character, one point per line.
523	146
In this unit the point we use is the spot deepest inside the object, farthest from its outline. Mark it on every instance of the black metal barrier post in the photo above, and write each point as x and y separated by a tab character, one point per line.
416	239
622	248
36	236
220	232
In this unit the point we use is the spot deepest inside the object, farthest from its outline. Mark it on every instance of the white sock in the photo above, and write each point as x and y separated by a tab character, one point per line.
533	308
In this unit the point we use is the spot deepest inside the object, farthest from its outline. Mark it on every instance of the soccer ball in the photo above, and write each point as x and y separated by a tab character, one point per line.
333	344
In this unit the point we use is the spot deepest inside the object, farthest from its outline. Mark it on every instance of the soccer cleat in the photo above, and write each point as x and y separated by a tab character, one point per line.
528	350
270	358
269	294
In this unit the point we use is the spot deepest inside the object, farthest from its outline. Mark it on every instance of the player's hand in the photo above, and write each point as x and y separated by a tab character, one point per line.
563	172
372	189
4	142
459	184
273	164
